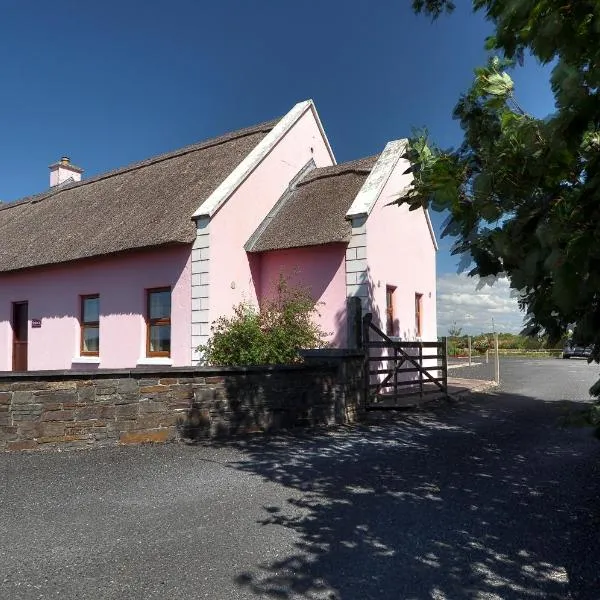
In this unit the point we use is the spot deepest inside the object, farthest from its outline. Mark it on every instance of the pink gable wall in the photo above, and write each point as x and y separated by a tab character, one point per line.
320	269
400	253
234	275
54	294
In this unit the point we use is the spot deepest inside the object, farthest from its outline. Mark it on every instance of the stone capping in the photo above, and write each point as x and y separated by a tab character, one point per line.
145	372
326	353
378	177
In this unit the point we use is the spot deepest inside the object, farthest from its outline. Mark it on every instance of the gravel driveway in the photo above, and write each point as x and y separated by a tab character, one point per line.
489	499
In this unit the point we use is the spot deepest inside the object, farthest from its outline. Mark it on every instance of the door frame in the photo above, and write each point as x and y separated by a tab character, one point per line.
14	331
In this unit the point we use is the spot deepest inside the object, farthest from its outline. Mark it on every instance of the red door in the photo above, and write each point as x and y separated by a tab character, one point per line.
20	331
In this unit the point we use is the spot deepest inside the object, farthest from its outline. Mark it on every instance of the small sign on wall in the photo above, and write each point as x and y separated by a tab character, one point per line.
36	323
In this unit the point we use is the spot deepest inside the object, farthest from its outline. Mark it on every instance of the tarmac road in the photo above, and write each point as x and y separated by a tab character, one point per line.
488	499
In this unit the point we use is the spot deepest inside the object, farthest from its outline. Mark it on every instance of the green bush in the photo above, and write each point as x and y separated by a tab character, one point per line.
457	346
481	345
272	335
461	343
451	348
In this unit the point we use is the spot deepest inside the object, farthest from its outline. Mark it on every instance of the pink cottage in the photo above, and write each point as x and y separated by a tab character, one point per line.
131	267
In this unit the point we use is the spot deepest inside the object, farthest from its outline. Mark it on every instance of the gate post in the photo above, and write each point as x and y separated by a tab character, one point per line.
366	322
421	372
469	343
354	322
395	374
445	364
496	360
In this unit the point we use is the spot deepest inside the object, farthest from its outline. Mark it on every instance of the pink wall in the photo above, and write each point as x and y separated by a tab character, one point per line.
400	252
54	293
232	276
321	269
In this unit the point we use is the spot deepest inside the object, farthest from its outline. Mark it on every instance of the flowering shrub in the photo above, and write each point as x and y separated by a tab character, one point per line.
273	334
481	345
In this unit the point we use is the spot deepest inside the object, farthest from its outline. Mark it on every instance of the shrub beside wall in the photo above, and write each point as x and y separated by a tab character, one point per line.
62	409
271	334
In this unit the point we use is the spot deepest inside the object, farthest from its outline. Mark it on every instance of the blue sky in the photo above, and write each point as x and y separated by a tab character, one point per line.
109	83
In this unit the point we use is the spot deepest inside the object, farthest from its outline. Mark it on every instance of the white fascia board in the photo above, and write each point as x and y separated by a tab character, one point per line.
369	193
431	231
320	126
233	181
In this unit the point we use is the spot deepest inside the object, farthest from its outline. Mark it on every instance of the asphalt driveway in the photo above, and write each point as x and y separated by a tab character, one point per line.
490	499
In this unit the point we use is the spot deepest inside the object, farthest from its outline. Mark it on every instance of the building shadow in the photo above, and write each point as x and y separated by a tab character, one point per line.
447	504
287	398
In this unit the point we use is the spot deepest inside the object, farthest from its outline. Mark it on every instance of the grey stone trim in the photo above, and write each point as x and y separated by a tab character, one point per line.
200	322
357	271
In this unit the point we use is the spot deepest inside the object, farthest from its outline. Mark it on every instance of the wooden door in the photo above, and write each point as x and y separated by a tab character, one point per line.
20	332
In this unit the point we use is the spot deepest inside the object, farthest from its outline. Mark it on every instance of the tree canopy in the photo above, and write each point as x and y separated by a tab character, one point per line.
522	193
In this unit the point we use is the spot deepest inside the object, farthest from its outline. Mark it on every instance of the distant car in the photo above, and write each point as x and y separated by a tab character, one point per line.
575	350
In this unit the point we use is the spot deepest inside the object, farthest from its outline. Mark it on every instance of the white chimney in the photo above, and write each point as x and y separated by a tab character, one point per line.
64	172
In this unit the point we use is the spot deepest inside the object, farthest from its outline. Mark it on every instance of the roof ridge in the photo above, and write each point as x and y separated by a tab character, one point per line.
209	143
359	165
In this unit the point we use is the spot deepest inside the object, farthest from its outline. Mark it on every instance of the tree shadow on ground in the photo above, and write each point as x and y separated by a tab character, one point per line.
487	499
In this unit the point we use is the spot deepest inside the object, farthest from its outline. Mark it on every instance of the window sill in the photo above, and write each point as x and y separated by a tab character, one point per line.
164	361
90	360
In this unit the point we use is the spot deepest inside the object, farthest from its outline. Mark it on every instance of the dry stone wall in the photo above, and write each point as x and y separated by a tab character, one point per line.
50	410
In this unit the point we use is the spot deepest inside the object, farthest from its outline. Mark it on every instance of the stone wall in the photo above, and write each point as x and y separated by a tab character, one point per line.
50	409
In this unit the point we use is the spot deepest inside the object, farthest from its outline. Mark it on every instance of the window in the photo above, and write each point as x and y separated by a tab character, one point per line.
158	322
90	325
419	314
389	309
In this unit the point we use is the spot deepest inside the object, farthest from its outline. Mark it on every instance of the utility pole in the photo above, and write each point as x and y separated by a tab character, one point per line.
496	360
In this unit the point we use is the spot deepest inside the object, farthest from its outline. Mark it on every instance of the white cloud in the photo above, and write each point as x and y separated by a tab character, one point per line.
472	304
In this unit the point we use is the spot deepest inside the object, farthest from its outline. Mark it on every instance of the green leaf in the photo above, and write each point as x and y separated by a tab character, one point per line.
538	180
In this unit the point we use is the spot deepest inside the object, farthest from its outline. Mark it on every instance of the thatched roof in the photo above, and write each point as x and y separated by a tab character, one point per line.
313	212
144	205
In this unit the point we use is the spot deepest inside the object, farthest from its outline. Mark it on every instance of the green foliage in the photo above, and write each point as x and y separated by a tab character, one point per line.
506	341
454	331
523	194
481	344
452	349
433	7
271	335
509	341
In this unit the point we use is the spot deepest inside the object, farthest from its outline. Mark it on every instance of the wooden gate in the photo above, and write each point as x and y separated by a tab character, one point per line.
400	374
